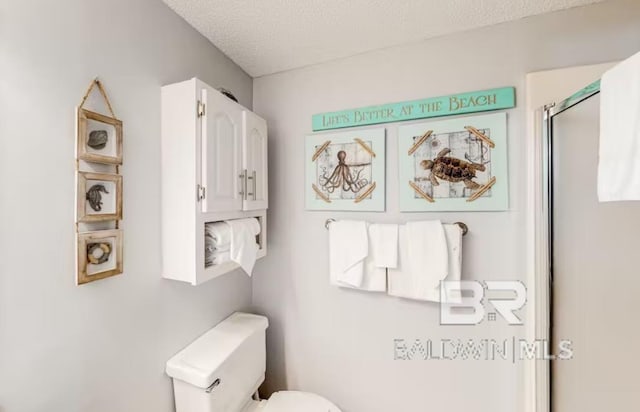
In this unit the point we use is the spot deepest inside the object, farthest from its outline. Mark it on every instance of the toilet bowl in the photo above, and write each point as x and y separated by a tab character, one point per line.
222	370
292	401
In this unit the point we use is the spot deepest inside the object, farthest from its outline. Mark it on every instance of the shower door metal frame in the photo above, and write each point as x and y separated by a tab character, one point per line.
544	236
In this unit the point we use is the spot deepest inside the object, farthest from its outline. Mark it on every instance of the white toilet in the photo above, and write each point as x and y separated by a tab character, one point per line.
222	370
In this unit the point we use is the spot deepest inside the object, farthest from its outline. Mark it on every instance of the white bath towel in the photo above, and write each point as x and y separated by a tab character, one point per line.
374	278
223	248
244	248
348	248
217	258
449	291
383	245
211	246
619	164
219	232
423	261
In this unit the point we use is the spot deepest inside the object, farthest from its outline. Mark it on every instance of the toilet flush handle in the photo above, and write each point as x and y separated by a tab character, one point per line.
213	386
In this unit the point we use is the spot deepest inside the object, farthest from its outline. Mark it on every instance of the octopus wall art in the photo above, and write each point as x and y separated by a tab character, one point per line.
343	170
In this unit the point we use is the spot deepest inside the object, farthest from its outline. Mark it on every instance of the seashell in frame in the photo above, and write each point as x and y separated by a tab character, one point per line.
98	139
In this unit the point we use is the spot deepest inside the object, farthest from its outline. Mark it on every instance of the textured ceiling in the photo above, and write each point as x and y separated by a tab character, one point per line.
268	36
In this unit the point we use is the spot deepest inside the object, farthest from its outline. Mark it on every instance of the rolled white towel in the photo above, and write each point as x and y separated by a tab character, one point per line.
217	258
217	236
211	247
219	232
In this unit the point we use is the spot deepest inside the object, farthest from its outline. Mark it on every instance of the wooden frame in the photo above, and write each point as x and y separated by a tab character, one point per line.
81	195
483	145
109	237
82	138
363	151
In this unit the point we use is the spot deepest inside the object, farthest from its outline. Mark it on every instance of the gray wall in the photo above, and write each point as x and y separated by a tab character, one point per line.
99	347
339	343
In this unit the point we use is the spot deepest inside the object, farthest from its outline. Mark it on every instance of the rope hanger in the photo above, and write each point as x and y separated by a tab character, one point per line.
96	82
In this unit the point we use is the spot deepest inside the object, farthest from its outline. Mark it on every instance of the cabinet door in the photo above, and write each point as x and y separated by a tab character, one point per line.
221	153
255	161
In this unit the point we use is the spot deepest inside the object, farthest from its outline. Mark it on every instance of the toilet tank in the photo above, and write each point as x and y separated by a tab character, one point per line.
221	369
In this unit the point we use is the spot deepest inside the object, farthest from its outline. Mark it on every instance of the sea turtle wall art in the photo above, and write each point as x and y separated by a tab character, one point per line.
454	164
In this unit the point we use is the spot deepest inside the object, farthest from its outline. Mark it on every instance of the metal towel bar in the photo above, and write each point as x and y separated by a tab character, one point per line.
463	226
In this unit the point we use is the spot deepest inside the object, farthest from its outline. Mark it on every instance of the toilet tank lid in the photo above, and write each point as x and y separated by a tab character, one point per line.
197	363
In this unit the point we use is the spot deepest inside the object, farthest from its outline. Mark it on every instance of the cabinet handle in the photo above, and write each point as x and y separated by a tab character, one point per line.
255	186
243	182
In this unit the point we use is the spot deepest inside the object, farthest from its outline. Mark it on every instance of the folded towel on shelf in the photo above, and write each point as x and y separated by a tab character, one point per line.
219	233
217	238
217	258
348	248
619	163
374	278
243	246
223	248
383	245
423	261
209	246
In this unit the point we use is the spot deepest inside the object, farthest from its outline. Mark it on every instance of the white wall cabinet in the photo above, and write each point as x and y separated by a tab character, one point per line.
214	167
254	143
221	156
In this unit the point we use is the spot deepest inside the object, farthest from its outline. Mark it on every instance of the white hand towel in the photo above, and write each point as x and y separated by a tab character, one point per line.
374	278
348	248
383	245
211	246
244	248
423	261
451	293
619	165
219	232
217	258
222	248
428	251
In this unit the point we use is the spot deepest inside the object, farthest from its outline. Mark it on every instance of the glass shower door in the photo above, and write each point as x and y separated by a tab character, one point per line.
595	276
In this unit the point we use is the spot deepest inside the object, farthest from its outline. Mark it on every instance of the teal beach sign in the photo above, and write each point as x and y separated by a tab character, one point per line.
472	102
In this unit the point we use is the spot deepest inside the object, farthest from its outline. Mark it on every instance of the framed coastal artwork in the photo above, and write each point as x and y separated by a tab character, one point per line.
99	197
99	255
346	171
454	165
99	138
